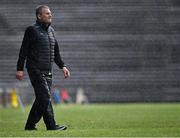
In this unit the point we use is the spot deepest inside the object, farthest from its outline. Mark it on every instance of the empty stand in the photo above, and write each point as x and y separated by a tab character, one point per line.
117	50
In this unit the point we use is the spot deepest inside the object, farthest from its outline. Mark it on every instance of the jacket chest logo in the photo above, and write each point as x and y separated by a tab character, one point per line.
41	34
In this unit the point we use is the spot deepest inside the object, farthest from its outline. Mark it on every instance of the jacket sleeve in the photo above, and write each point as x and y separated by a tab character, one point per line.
28	38
57	58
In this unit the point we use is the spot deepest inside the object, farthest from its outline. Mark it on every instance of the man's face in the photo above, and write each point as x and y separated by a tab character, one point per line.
45	16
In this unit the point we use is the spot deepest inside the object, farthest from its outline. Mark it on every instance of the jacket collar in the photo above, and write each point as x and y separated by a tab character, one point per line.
42	25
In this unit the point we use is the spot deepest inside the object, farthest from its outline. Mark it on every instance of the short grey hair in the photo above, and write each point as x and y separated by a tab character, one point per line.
39	9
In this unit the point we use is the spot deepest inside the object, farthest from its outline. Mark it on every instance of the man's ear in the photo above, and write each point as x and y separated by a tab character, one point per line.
39	16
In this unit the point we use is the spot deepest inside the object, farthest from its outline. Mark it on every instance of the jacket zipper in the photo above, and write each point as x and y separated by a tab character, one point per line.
49	49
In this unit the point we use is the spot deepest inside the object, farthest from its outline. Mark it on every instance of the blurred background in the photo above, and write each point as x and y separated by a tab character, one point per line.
117	50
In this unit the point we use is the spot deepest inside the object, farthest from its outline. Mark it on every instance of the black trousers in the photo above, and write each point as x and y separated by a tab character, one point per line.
42	106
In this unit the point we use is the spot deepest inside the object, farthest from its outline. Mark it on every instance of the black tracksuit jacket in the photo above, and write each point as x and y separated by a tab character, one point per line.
39	49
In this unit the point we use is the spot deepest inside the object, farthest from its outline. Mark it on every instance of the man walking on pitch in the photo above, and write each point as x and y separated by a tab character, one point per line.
39	49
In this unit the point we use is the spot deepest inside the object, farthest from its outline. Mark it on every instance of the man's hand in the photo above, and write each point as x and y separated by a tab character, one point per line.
19	75
66	72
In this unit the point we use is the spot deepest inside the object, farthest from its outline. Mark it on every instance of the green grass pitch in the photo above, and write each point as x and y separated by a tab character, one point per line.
100	120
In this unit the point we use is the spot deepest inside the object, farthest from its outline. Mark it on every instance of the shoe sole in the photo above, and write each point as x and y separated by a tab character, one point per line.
63	128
